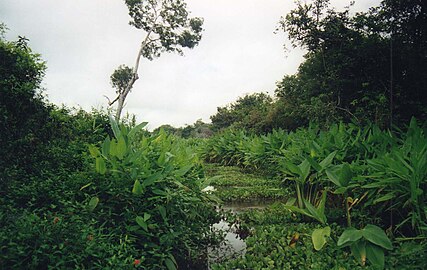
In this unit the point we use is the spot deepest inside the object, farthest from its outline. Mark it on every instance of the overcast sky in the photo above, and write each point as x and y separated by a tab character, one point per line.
83	41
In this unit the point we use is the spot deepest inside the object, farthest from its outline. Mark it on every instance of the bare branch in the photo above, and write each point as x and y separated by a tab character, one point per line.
111	102
348	111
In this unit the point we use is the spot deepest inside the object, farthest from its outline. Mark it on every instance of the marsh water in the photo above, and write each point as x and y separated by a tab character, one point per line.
233	246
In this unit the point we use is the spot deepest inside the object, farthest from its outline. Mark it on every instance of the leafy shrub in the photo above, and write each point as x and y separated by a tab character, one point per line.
380	171
70	240
149	188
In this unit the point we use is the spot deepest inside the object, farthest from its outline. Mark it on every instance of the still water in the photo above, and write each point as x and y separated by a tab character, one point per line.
233	246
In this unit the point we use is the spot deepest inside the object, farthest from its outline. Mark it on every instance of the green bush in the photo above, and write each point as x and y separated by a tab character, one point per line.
56	212
382	172
149	187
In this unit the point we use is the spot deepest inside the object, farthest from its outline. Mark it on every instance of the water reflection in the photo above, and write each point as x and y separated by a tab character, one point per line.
233	246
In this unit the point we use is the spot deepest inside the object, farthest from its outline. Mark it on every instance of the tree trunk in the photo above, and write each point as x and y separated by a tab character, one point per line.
120	106
123	95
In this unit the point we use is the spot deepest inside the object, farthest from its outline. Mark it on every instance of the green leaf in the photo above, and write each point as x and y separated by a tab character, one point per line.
183	170
314	164
146	216
346	174
100	165
170	264
358	249
113	148
384	198
376	235
298	210
413	124
137	128
159	192
94	151
141	222
375	255
349	235
293	168
312	153
322	203
137	188
162	211
85	186
333	177
374	185
315	213
305	170
121	147
106	147
340	190
179	184
162	159
291	201
151	179
328	160
114	127
92	203
319	237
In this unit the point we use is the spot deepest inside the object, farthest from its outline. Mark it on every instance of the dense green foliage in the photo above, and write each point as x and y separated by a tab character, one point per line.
152	186
363	67
280	240
386	169
197	130
232	184
344	175
369	66
79	190
21	72
143	208
246	113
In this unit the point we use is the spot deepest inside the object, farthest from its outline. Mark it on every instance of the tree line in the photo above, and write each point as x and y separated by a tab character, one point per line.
365	67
